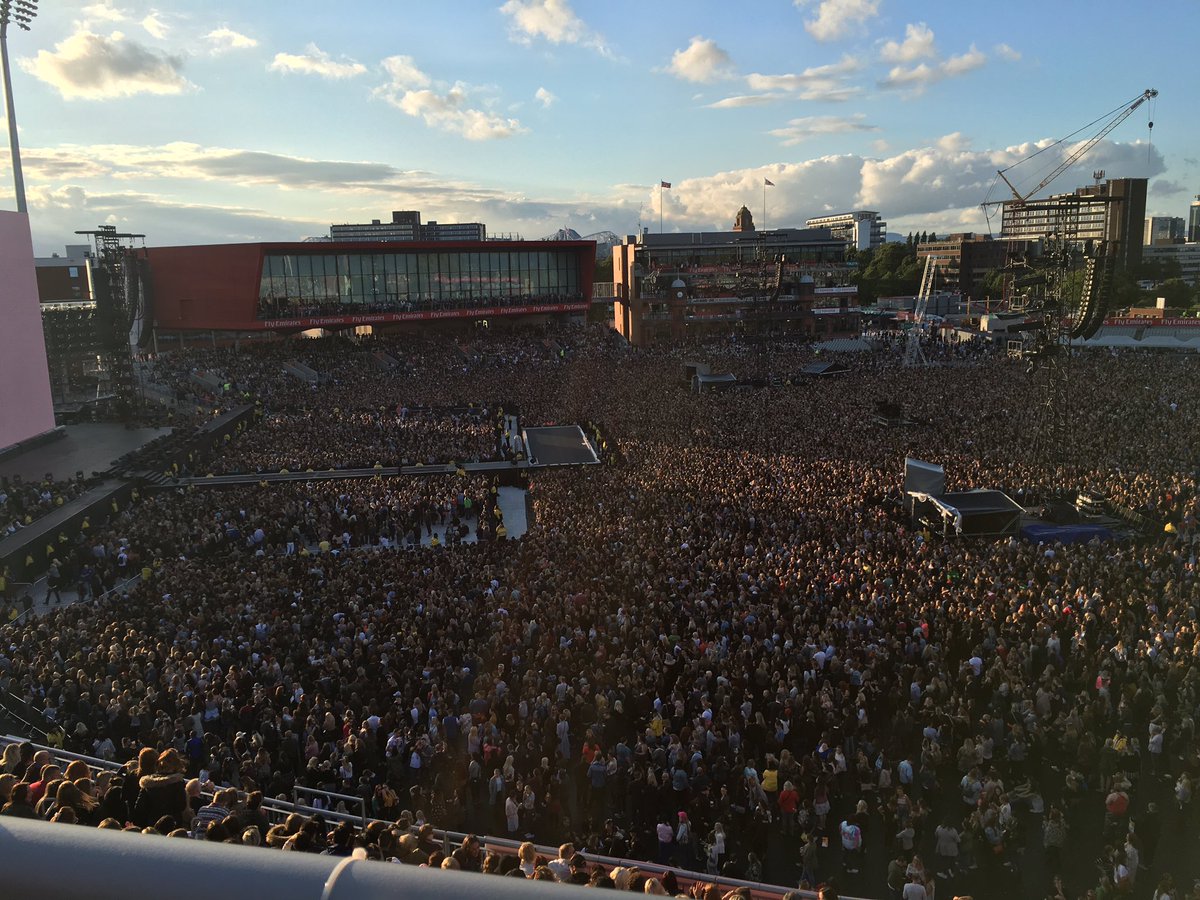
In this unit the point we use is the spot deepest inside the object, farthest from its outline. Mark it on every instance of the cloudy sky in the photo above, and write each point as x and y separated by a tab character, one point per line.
270	120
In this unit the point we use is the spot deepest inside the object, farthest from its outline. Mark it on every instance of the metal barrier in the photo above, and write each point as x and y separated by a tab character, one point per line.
278	810
66	863
299	789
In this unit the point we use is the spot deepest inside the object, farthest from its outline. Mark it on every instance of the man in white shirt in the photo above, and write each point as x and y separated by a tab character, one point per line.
561	867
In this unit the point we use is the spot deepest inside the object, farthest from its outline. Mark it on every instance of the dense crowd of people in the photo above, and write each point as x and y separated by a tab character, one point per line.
349	439
727	650
21	501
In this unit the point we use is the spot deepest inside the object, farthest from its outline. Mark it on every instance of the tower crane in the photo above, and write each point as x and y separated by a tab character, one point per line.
1113	117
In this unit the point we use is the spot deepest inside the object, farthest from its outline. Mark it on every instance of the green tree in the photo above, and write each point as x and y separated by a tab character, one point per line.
993	286
1177	292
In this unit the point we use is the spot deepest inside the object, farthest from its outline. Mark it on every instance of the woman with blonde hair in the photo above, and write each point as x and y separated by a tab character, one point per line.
7	780
10	759
527	854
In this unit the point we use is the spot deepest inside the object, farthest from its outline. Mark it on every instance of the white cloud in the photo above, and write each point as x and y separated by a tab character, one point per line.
167	220
1163	187
1006	52
836	19
938	186
799	130
917	44
182	161
553	20
935	187
964	62
225	38
953	142
154	26
103	12
404	73
448	111
702	61
917	78
544	97
827	84
446	108
315	61
90	66
740	100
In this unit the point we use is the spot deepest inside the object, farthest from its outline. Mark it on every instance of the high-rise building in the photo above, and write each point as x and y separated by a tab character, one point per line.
1114	211
746	282
862	229
406	225
1193	232
1163	230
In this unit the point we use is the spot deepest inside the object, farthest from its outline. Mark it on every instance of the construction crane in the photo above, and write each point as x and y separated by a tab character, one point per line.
1114	118
1065	289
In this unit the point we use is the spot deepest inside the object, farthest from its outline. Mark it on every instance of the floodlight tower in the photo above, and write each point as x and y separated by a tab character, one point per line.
19	13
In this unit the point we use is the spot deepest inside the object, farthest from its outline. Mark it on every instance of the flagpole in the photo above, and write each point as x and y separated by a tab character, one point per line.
660	190
764	204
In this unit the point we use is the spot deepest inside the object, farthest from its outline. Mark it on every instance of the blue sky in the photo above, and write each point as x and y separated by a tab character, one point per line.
268	120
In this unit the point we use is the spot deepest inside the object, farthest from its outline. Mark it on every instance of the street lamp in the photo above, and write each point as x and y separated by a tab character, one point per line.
19	13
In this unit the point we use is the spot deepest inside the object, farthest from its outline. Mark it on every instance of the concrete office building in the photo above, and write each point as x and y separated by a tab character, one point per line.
406	225
1193	228
862	229
1112	211
1187	255
1163	230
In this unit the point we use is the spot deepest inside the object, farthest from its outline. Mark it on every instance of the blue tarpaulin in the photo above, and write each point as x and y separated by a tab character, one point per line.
1045	533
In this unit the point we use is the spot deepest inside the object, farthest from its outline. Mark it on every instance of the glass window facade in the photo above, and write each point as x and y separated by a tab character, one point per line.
298	284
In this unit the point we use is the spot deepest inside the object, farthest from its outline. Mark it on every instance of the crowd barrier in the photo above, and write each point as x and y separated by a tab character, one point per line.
59	862
278	810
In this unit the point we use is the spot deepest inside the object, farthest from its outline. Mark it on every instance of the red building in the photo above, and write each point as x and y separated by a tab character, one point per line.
290	287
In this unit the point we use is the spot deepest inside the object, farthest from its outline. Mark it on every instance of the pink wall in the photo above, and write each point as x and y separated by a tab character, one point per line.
26	408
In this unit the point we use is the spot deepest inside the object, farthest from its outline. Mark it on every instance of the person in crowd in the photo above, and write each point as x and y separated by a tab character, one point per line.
730	620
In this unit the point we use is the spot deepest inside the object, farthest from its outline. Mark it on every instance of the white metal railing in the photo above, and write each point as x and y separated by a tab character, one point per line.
66	863
299	789
278	810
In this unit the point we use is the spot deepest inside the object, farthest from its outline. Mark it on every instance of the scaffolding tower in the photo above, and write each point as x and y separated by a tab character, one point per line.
120	312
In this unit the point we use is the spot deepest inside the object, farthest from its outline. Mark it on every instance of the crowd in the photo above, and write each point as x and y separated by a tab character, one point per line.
21	502
729	652
348	439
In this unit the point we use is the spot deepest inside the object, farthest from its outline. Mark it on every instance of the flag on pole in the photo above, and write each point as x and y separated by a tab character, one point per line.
767	182
665	184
